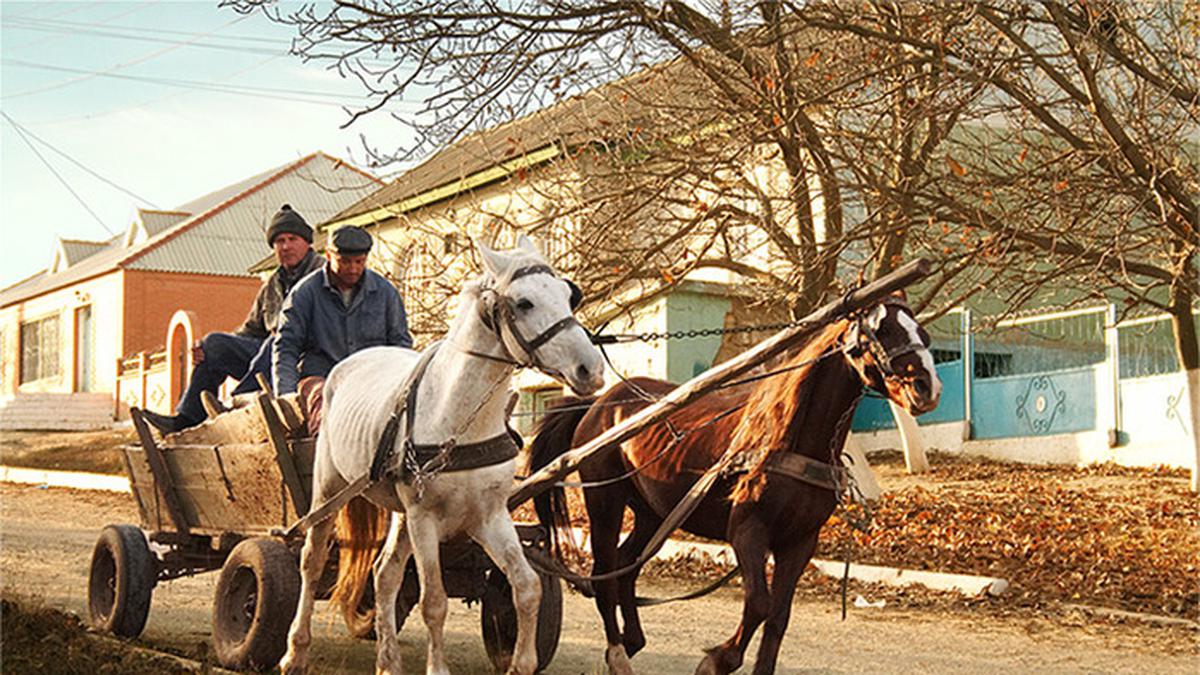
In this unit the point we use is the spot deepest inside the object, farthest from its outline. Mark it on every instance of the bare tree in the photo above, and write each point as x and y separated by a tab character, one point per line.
1080	166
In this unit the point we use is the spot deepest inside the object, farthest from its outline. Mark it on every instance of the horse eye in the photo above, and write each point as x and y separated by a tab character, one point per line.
524	305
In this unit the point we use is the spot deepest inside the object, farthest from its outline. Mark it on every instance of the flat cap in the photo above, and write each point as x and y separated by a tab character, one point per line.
350	240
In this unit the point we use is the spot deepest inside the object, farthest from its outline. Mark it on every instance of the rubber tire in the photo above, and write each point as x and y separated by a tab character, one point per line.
120	581
362	626
256	597
498	619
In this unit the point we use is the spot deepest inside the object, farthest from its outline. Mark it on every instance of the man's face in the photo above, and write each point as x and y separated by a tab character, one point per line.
289	249
347	269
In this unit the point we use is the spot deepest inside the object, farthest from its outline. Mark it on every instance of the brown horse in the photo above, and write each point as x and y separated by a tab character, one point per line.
787	430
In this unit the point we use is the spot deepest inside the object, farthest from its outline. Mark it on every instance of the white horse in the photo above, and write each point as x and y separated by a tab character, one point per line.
520	313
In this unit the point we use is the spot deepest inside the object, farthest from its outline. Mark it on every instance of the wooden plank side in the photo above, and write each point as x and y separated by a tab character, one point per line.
230	488
283	454
144	489
162	475
241	425
705	382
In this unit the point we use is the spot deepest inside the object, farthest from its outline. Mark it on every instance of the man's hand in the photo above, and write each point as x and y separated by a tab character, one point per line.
197	353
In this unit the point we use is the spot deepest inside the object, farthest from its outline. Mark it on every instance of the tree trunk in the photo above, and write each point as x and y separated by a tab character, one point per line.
1188	351
910	440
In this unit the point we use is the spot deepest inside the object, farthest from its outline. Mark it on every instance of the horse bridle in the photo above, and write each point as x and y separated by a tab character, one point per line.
502	314
862	334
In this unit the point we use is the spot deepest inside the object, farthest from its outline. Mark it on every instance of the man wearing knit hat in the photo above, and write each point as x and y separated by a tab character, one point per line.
247	351
332	314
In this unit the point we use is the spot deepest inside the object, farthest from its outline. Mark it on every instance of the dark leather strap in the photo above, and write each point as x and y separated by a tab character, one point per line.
807	470
386	450
464	457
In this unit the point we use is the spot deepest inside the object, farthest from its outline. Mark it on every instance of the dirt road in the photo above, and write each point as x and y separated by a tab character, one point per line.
47	536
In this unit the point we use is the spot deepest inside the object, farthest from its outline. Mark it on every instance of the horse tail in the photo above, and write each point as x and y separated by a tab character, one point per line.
361	527
555	433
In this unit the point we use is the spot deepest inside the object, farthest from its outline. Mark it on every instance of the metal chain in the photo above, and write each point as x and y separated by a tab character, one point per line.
614	338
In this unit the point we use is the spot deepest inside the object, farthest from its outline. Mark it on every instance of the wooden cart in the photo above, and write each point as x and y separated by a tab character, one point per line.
217	495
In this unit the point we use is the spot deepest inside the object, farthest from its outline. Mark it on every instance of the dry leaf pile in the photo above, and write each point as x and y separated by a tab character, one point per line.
1107	536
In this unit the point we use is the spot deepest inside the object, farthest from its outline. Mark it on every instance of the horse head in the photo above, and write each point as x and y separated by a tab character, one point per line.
890	351
531	311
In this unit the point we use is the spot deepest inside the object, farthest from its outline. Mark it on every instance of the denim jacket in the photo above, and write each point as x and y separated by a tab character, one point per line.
317	329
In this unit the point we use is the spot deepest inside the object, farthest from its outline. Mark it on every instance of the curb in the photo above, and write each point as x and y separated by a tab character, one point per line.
966	584
78	480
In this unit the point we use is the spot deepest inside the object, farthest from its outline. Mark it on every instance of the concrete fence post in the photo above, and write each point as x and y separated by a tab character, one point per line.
1112	348
968	358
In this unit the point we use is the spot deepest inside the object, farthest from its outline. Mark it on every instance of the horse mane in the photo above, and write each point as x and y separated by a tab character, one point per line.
772	416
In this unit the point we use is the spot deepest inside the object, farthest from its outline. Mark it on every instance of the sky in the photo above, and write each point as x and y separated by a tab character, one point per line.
151	104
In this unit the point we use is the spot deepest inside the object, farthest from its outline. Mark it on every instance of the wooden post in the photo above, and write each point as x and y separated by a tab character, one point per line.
283	455
162	474
703	383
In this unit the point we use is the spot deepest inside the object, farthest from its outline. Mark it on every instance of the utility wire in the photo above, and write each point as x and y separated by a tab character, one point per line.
56	174
141	59
240	90
51	22
145	38
77	163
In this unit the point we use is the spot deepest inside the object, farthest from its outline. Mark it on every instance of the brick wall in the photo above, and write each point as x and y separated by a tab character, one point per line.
220	304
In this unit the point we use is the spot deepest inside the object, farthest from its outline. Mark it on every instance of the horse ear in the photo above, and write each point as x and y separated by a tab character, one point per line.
493	262
527	244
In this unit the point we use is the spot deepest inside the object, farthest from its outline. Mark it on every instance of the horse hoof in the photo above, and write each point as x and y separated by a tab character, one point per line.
617	660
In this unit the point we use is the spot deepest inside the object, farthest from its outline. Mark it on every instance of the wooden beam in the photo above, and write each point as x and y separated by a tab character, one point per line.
283	454
708	380
162	475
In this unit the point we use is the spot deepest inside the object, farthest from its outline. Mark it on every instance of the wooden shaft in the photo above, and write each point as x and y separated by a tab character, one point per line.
708	380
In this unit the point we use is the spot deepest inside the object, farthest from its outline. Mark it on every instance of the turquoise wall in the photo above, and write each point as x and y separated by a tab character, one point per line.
689	357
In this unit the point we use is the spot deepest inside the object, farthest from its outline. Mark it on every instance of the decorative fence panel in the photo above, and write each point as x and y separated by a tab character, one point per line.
1039	404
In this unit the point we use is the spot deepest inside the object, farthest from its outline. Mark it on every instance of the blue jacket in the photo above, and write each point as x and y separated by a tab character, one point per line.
317	329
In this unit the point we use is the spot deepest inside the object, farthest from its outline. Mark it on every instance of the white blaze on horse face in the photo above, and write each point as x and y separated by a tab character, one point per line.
570	353
911	327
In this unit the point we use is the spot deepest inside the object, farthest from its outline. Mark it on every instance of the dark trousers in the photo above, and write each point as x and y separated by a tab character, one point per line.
225	355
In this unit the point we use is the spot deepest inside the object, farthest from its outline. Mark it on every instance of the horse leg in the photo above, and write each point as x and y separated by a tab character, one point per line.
645	523
789	565
499	540
423	533
749	540
312	564
389	575
605	510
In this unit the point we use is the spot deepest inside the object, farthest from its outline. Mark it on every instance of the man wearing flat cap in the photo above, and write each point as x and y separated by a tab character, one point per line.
247	351
332	314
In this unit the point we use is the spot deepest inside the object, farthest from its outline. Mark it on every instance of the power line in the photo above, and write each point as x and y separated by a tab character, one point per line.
138	29
79	164
56	174
141	59
240	90
146	38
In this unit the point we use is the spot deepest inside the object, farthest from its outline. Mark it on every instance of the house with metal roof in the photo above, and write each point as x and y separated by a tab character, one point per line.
65	330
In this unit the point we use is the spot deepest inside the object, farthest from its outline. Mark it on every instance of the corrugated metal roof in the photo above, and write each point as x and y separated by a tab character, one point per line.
155	221
615	110
229	242
226	236
76	250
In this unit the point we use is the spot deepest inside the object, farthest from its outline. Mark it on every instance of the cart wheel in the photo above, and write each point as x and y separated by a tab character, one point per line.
256	598
499	619
120	581
362	623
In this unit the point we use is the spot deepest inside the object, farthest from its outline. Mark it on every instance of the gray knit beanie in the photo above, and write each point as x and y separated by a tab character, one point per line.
287	220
